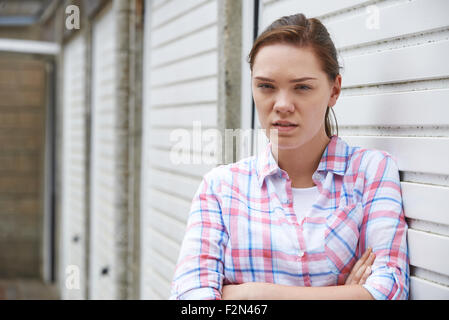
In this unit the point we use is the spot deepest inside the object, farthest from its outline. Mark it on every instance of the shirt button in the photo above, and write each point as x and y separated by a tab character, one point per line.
301	253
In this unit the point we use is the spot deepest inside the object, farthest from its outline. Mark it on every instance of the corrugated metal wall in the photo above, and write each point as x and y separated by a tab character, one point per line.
97	226
104	183
180	87
394	98
72	254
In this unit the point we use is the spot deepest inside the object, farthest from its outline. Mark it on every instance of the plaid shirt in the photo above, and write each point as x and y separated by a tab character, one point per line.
242	229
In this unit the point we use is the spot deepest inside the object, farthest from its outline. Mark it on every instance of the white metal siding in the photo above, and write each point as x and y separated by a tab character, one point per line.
394	98
103	158
73	255
180	86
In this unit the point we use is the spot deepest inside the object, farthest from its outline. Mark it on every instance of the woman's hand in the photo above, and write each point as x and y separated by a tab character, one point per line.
362	269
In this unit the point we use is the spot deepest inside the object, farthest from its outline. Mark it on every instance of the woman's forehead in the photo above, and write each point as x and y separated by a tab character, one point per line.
285	49
288	57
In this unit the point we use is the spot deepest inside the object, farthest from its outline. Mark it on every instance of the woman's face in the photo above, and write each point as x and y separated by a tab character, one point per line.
288	84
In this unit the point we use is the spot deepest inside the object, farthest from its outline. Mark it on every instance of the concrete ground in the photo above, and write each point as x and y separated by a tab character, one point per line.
27	289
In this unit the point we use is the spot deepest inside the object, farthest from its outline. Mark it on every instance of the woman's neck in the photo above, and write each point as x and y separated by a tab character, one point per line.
300	163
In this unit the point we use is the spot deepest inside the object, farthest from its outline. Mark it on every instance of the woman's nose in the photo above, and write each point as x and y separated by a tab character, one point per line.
283	104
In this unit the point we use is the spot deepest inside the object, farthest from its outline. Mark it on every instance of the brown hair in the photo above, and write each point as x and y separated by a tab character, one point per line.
302	32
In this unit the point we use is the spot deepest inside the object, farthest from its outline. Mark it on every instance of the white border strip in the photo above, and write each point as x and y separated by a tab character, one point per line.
29	46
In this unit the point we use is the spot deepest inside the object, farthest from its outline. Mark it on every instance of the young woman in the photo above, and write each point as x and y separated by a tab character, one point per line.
310	217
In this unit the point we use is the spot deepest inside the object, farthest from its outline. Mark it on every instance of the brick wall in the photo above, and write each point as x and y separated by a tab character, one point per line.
22	117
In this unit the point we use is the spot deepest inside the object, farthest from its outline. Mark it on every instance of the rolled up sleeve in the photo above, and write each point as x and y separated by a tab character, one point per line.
384	229
199	271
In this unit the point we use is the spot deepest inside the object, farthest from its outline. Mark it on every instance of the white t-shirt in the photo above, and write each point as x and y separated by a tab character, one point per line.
303	200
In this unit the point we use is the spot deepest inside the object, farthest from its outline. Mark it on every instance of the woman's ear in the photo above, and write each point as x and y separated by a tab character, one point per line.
335	91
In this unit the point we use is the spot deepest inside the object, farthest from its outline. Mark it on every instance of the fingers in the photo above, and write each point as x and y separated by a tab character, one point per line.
365	270
365	275
358	265
358	275
362	269
363	258
371	259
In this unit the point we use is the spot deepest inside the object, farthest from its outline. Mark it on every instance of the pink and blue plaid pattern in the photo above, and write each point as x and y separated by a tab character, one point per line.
241	229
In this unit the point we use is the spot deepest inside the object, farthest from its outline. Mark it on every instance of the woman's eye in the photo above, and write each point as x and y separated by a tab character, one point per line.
264	85
269	86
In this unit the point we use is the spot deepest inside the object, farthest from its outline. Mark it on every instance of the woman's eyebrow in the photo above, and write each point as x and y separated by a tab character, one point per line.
294	80
303	79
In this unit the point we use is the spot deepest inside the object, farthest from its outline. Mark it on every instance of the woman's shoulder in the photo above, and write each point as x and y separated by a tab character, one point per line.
370	153
369	159
351	159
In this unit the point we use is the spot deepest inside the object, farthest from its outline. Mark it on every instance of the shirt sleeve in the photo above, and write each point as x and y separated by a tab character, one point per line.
199	272
384	229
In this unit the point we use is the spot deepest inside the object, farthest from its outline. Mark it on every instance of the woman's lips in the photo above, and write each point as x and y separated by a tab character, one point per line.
285	128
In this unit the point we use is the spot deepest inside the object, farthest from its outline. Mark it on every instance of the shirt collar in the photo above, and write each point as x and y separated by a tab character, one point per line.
334	159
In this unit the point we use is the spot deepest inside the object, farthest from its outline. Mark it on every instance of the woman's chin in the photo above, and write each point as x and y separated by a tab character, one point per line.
283	143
